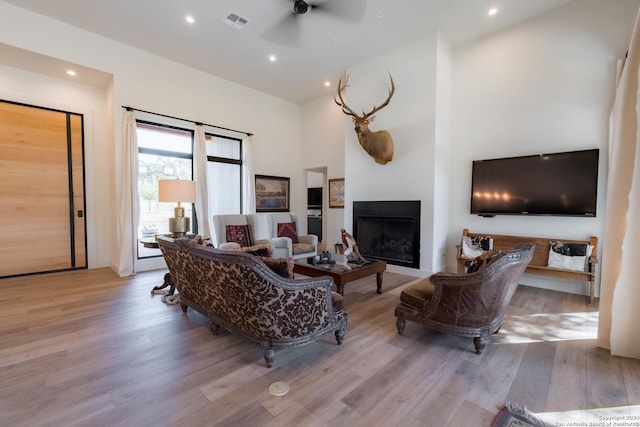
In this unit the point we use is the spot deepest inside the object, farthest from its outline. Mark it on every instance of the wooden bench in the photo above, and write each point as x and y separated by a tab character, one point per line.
538	264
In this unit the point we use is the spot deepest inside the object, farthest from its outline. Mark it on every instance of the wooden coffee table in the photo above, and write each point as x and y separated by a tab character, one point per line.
342	272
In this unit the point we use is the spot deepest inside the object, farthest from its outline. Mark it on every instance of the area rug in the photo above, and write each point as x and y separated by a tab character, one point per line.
517	416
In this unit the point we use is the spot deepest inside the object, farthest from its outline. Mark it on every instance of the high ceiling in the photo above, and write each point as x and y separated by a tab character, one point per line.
309	49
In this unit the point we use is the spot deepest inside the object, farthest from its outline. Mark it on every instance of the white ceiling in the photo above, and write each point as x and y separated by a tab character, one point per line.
328	45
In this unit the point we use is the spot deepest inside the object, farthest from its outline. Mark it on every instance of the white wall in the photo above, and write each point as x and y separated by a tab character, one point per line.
442	152
149	82
323	149
545	85
315	179
410	118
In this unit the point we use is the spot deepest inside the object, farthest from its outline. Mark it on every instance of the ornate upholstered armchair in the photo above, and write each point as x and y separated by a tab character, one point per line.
468	305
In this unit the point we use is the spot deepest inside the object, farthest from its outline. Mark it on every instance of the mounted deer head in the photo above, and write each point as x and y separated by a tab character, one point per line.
378	144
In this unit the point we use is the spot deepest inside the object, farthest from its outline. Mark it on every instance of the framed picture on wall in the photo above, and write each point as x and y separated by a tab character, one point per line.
336	193
272	194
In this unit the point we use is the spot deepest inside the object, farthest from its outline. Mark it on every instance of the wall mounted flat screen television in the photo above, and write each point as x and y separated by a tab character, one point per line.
563	184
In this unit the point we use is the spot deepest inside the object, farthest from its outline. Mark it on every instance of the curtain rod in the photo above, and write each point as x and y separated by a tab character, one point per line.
186	120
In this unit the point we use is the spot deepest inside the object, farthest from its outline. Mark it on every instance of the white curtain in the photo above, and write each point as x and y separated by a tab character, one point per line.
619	284
248	183
127	197
200	176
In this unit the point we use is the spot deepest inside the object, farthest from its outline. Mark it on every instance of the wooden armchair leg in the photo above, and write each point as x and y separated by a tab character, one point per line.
269	356
400	324
480	343
340	336
215	328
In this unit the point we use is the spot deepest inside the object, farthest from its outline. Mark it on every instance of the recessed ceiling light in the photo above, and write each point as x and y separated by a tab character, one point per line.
71	72
493	11
189	19
327	83
273	58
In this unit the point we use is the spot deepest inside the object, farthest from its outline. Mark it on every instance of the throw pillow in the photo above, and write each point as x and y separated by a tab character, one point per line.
569	256
473	247
302	248
229	246
204	241
281	266
337	301
288	229
260	250
479	262
240	234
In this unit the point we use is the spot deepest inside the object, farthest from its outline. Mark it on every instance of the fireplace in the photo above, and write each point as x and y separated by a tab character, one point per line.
388	230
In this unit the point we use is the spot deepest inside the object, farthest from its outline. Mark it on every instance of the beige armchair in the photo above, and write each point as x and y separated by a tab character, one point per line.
297	245
264	229
468	305
220	223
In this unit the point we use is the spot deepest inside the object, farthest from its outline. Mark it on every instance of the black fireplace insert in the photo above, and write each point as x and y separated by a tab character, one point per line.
388	230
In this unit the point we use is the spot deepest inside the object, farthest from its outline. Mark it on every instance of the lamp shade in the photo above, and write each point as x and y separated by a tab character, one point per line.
176	190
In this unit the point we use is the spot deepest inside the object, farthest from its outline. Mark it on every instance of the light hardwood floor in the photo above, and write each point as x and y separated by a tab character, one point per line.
88	348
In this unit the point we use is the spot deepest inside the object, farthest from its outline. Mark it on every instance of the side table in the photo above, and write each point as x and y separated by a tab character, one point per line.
151	242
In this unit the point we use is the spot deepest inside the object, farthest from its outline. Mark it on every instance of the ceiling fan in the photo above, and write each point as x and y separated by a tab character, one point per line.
288	31
300	7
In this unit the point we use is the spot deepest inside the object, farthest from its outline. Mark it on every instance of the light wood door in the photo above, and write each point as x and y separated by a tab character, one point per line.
41	190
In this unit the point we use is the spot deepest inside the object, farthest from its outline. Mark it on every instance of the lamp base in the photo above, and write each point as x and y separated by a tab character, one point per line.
179	226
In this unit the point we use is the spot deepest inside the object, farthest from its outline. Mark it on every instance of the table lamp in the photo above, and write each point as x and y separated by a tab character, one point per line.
177	190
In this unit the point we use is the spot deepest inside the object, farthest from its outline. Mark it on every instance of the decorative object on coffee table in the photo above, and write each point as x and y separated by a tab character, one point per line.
517	416
352	252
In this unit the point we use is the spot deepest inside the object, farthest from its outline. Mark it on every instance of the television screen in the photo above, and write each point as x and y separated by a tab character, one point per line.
545	184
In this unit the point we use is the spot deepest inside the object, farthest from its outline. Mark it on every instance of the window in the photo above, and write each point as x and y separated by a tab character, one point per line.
166	152
163	153
225	174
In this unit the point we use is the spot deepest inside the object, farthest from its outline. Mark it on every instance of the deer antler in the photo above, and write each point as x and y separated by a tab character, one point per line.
384	104
345	109
378	144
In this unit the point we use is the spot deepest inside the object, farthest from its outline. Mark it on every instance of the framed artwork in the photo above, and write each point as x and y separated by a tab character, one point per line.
336	193
272	194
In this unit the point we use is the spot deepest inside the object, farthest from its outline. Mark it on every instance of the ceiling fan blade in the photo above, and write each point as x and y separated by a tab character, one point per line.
350	10
286	32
